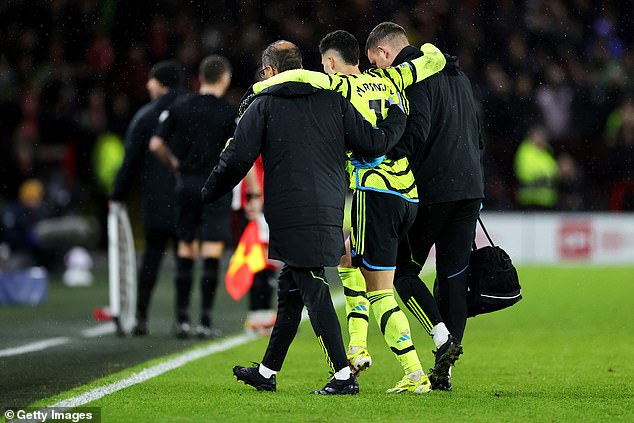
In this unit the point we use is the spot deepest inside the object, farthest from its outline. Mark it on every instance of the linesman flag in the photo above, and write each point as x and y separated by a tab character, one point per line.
248	259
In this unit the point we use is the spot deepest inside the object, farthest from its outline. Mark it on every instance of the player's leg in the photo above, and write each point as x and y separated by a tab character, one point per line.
188	210
211	252
388	216
290	306
186	254
412	254
453	251
213	224
357	306
453	248
155	243
357	312
315	293
261	316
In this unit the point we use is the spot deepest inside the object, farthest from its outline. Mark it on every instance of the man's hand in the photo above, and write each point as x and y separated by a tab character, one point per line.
164	154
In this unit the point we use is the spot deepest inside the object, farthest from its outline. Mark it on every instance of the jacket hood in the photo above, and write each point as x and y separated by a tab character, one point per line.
452	66
289	89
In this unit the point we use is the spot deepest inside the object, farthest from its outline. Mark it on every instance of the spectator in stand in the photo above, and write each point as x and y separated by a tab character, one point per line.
19	220
572	184
580	50
536	172
554	99
619	136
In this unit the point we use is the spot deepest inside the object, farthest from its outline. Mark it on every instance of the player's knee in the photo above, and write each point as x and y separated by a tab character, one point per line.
186	250
316	296
212	249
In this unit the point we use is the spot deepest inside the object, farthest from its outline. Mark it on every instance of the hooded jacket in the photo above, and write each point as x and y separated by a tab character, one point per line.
302	134
442	137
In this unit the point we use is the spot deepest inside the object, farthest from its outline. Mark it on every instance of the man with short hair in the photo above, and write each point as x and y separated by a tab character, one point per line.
444	145
196	130
302	134
383	206
165	87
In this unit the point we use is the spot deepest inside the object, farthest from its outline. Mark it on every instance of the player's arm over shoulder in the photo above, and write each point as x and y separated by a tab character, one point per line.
410	72
432	62
316	79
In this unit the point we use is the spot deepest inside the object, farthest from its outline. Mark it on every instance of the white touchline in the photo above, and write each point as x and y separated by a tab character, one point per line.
156	370
99	330
165	366
93	332
35	346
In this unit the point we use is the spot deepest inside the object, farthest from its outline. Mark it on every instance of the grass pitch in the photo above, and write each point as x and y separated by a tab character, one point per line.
564	353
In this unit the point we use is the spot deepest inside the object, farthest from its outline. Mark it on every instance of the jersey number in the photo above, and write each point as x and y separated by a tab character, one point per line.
377	107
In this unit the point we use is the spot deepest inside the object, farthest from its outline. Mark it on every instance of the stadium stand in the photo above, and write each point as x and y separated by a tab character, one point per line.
74	70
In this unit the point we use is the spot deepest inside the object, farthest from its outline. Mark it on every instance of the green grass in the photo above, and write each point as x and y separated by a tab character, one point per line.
29	377
564	353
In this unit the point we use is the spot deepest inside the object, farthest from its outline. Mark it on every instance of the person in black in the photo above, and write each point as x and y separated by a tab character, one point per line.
302	134
444	146
164	86
197	130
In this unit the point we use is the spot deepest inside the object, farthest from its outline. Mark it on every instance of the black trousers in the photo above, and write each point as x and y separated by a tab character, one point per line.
155	244
298	287
451	227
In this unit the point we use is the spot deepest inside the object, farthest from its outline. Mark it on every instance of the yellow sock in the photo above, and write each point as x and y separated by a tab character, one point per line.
357	306
395	328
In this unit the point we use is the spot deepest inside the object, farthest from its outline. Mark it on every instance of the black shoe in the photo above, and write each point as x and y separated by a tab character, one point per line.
182	330
349	386
140	329
251	376
440	382
447	355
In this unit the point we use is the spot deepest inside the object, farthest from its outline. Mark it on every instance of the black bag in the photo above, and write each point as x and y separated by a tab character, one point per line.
493	283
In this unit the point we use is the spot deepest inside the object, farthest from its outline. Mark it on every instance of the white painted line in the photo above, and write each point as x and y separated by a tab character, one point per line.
93	332
99	330
156	370
166	366
35	346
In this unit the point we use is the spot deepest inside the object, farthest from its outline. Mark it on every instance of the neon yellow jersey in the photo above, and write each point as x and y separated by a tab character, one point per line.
371	93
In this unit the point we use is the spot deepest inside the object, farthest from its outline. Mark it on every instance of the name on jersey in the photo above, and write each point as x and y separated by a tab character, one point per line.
370	86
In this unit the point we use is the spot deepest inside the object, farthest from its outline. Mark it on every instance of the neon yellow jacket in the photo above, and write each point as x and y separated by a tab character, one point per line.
537	172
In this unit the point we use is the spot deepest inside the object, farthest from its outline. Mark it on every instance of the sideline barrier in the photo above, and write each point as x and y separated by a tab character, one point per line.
559	238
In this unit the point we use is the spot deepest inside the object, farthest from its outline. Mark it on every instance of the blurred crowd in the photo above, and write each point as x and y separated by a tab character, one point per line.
553	75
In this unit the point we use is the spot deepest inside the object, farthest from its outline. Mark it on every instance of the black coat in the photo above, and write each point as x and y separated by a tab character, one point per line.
303	134
158	181
442	138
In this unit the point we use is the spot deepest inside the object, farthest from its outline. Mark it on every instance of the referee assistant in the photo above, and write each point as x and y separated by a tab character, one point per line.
444	145
158	184
197	130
